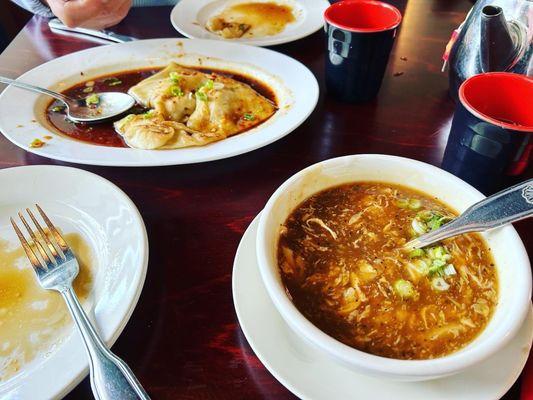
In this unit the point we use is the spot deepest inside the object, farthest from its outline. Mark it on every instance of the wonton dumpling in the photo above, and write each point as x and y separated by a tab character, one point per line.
153	132
212	104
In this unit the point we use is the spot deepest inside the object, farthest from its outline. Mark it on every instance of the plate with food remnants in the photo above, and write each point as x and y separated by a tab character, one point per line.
254	22
195	101
104	229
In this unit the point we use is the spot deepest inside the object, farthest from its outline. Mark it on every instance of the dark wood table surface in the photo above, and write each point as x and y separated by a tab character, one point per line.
183	340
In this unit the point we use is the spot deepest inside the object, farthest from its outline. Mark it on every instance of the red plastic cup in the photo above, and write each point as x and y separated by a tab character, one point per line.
492	129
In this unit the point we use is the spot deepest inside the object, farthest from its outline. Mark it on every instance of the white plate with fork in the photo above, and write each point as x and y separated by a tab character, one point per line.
82	203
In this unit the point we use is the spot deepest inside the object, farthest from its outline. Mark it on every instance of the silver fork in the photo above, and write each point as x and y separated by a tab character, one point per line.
56	267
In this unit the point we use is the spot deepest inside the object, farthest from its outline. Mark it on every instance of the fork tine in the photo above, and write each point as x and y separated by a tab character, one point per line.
27	248
45	237
38	245
59	239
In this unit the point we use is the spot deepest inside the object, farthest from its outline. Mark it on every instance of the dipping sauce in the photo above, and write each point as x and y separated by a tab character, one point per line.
32	318
341	258
103	133
252	19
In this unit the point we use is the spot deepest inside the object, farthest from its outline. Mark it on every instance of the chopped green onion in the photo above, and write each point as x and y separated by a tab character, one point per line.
112	81
421	266
425	215
437	267
208	85
414	204
58	109
439	284
174	77
37	143
248	117
88	89
201	96
418	226
92	100
404	288
149	114
416	253
402	203
449	270
176	91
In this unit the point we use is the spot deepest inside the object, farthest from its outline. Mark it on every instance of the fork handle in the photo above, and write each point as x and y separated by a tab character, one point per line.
111	378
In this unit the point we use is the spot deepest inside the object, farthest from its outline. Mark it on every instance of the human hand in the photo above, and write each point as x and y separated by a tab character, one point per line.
94	14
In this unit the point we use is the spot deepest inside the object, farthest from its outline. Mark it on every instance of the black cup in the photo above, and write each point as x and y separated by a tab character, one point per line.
491	133
359	35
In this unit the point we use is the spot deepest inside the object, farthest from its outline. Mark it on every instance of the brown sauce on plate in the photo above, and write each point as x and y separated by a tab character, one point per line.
103	133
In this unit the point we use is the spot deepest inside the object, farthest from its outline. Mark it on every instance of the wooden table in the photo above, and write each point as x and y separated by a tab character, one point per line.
183	339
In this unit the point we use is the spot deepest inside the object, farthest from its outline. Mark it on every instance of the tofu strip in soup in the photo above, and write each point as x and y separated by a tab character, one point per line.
341	258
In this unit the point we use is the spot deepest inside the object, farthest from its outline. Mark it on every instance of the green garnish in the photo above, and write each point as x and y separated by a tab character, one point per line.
92	100
402	203
414	204
88	89
208	84
248	117
37	143
404	288
149	114
113	81
437	267
174	77
416	253
176	91
201	96
58	109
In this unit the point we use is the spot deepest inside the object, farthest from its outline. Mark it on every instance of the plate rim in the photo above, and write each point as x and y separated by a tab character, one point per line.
260	42
62	390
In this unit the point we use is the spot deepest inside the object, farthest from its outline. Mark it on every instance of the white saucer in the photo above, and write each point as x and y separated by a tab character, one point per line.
309	374
190	16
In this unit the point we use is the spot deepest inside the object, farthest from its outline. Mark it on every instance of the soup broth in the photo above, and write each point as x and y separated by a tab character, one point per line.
341	258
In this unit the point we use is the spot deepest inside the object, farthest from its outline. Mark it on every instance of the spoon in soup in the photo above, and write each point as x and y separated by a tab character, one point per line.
509	205
94	108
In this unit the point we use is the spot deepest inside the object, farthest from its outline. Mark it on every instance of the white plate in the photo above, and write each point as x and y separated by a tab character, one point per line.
295	86
82	202
311	375
190	16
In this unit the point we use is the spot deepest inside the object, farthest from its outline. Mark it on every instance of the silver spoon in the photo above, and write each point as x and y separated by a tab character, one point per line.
509	205
90	109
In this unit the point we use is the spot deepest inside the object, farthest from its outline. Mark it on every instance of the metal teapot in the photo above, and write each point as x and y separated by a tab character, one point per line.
497	35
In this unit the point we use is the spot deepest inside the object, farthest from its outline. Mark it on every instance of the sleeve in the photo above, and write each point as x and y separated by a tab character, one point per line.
35	7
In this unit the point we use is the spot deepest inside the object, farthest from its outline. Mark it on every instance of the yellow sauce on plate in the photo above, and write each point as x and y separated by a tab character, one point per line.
264	19
32	318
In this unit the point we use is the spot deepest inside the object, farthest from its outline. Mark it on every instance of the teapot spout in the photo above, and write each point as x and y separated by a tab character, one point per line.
498	48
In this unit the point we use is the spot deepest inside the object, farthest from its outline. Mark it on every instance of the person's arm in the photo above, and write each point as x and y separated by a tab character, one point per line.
36	7
95	14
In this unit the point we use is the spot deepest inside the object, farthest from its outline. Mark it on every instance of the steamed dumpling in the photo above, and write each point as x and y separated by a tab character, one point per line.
200	108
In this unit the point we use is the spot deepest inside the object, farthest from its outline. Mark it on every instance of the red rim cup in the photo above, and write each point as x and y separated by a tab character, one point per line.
500	98
364	16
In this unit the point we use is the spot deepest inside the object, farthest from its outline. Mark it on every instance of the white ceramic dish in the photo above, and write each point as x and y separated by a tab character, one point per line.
509	254
23	120
311	375
78	201
190	16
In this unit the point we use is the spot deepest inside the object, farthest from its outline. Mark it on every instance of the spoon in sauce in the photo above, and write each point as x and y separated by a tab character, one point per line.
509	205
94	108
